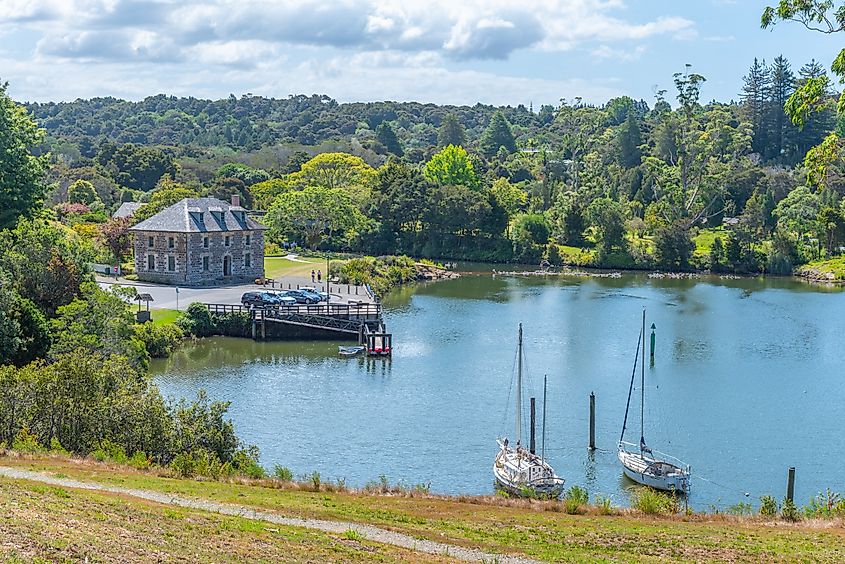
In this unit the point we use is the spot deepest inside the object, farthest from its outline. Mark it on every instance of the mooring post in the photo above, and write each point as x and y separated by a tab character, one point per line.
532	443
790	484
652	344
592	421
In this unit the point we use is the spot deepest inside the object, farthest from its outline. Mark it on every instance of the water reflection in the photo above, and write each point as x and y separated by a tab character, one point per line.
747	381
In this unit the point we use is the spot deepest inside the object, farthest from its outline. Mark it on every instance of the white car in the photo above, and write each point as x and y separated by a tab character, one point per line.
324	297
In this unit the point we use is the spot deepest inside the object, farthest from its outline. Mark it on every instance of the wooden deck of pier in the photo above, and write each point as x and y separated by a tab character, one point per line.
360	321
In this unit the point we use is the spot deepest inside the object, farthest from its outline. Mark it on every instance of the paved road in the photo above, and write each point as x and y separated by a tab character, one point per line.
338	527
164	297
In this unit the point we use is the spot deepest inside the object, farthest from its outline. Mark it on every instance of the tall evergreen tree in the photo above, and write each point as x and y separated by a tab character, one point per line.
387	137
628	141
498	134
451	132
755	99
781	130
818	124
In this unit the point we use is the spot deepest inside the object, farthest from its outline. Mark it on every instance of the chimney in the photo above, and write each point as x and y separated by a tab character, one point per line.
236	200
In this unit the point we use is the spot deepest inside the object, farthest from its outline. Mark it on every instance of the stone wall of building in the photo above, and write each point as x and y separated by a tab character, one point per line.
199	258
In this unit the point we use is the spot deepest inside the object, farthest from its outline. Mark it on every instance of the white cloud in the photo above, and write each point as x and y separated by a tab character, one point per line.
351	49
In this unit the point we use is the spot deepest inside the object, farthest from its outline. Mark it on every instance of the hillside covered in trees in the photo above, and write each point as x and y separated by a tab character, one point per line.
750	185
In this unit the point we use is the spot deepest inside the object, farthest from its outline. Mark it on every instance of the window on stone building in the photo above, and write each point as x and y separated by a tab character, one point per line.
248	260
170	242
151	241
171	263
151	262
205	242
205	263
248	240
227	240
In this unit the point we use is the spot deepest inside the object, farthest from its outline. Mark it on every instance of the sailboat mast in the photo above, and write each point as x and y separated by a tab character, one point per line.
642	388
519	389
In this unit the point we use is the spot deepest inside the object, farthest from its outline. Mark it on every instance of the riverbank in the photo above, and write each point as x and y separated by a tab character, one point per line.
518	528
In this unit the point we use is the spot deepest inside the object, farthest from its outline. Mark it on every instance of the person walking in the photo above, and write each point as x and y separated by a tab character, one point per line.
312	276
319	276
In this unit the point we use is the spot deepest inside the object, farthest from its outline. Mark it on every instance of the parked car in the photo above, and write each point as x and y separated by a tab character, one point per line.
324	297
262	299
251	299
279	299
303	296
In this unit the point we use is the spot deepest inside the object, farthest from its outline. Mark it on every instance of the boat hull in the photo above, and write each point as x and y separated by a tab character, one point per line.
523	474
550	491
638	468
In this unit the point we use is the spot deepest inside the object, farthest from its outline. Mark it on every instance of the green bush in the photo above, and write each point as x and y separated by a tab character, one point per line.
235	324
576	497
789	511
282	473
315	481
109	451
26	442
826	505
652	502
245	463
380	273
197	321
604	505
160	340
768	506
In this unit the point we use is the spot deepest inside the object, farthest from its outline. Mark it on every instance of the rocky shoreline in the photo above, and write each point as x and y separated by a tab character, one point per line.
431	272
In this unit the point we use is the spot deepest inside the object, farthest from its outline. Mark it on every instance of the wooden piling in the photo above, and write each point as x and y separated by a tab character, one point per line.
790	484
592	421
532	446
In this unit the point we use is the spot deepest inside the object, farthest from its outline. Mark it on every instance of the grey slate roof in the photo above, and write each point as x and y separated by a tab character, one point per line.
126	209
200	215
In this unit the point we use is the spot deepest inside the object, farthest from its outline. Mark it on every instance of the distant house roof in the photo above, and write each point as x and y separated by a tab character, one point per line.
127	209
200	215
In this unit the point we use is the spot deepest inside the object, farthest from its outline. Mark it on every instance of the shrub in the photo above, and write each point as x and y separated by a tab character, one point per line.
108	451
768	506
604	505
788	510
26	442
575	498
282	473
315	481
827	504
653	502
245	463
235	324
740	509
160	340
197	321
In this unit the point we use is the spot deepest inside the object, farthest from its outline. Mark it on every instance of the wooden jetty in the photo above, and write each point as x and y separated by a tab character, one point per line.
359	321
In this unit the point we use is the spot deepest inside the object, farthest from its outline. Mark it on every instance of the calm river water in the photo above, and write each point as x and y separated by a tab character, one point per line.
748	381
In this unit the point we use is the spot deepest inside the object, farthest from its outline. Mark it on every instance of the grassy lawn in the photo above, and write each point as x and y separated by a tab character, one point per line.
704	240
48	523
277	267
164	316
537	529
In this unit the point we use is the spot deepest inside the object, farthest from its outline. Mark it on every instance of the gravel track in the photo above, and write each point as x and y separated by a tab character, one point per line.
369	532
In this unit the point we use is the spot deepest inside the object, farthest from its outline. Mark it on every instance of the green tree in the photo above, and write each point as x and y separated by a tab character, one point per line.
674	247
798	212
512	198
451	132
34	331
21	173
82	192
101	322
451	166
10	329
242	172
161	199
498	134
825	16
756	92
607	217
387	137
47	263
315	213
628	141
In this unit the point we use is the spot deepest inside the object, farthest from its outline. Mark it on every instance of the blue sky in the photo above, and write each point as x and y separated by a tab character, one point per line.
442	51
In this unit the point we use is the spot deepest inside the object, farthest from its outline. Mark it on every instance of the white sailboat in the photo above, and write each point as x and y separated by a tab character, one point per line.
516	469
639	462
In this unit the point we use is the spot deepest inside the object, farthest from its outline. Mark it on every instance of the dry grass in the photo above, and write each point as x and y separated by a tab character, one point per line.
534	528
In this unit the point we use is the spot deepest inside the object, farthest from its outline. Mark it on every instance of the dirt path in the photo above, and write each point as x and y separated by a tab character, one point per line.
338	527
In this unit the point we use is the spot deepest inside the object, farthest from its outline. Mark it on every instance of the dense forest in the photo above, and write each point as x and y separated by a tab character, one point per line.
673	183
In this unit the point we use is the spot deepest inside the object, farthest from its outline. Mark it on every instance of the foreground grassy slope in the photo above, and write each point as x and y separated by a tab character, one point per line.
44	523
538	530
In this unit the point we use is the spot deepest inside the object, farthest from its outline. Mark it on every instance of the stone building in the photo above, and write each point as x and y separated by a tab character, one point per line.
199	241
